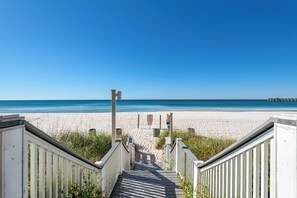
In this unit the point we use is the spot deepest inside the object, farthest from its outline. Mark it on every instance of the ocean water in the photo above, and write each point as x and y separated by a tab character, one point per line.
96	106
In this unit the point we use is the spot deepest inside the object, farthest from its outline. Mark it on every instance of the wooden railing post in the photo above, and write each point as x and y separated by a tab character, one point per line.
177	157
13	168
197	178
167	149
285	146
121	154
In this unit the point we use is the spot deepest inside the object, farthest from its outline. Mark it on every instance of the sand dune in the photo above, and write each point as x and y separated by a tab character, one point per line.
215	124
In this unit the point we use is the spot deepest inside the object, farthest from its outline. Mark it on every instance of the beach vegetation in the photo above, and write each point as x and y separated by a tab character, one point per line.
89	145
85	191
187	187
202	147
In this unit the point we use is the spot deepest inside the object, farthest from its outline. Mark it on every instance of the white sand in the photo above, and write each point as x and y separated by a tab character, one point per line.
216	124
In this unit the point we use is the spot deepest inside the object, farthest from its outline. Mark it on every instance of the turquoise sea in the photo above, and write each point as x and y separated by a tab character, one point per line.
96	106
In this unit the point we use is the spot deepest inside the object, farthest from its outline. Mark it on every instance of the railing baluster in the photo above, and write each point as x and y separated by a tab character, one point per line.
78	175
249	174
228	177
61	176
66	175
93	178
25	168
55	176
70	175
237	176
49	170
272	168
256	172
232	182
211	182
264	170
75	173
33	170
243	175
214	174
219	194
202	183
223	180
85	176
214	181
41	173
217	181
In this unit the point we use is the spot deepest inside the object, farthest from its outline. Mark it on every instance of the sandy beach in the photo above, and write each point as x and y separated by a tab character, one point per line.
210	123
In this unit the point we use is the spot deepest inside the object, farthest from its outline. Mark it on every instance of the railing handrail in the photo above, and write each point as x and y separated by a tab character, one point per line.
16	120
103	161
188	152
11	120
118	142
172	148
125	147
249	137
37	132
5	118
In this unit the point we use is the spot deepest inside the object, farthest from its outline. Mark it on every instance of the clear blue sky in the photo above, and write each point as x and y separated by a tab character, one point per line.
60	49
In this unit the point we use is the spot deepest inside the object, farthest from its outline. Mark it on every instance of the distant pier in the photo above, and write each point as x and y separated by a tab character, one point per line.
282	99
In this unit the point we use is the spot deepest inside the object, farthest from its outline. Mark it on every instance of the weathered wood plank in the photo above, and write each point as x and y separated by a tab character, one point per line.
148	184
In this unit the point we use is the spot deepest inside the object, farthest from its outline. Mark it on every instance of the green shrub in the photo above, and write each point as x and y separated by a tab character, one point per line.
202	147
187	187
85	191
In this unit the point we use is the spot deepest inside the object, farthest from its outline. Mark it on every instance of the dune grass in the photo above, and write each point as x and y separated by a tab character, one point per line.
202	147
90	146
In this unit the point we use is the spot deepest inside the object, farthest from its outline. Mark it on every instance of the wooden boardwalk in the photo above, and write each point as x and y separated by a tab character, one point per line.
148	180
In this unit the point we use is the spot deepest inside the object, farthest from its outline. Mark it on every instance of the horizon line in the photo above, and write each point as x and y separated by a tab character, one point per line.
131	99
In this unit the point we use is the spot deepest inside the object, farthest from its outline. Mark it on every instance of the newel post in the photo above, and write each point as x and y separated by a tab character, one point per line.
167	149
177	157
121	155
13	160
285	146
197	178
102	177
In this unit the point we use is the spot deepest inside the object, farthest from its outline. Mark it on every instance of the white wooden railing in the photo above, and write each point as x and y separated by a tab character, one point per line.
32	164
114	163
262	164
183	161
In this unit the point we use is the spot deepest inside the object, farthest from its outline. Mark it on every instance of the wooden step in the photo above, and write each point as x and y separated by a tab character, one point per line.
148	184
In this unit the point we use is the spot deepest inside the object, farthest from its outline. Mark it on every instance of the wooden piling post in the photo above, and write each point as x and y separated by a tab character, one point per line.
171	127
138	121
160	122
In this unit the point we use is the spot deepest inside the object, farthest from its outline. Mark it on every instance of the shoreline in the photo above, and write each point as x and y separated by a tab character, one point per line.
276	110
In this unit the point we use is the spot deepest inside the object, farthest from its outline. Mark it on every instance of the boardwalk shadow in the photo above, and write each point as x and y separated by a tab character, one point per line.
147	179
147	161
148	184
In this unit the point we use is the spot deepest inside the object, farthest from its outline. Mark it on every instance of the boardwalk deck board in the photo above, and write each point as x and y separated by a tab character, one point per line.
149	181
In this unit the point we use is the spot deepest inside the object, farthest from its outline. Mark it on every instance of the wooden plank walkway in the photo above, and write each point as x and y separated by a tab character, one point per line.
148	180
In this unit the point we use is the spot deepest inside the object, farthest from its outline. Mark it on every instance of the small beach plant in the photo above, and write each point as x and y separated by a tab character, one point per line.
85	191
202	147
187	187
